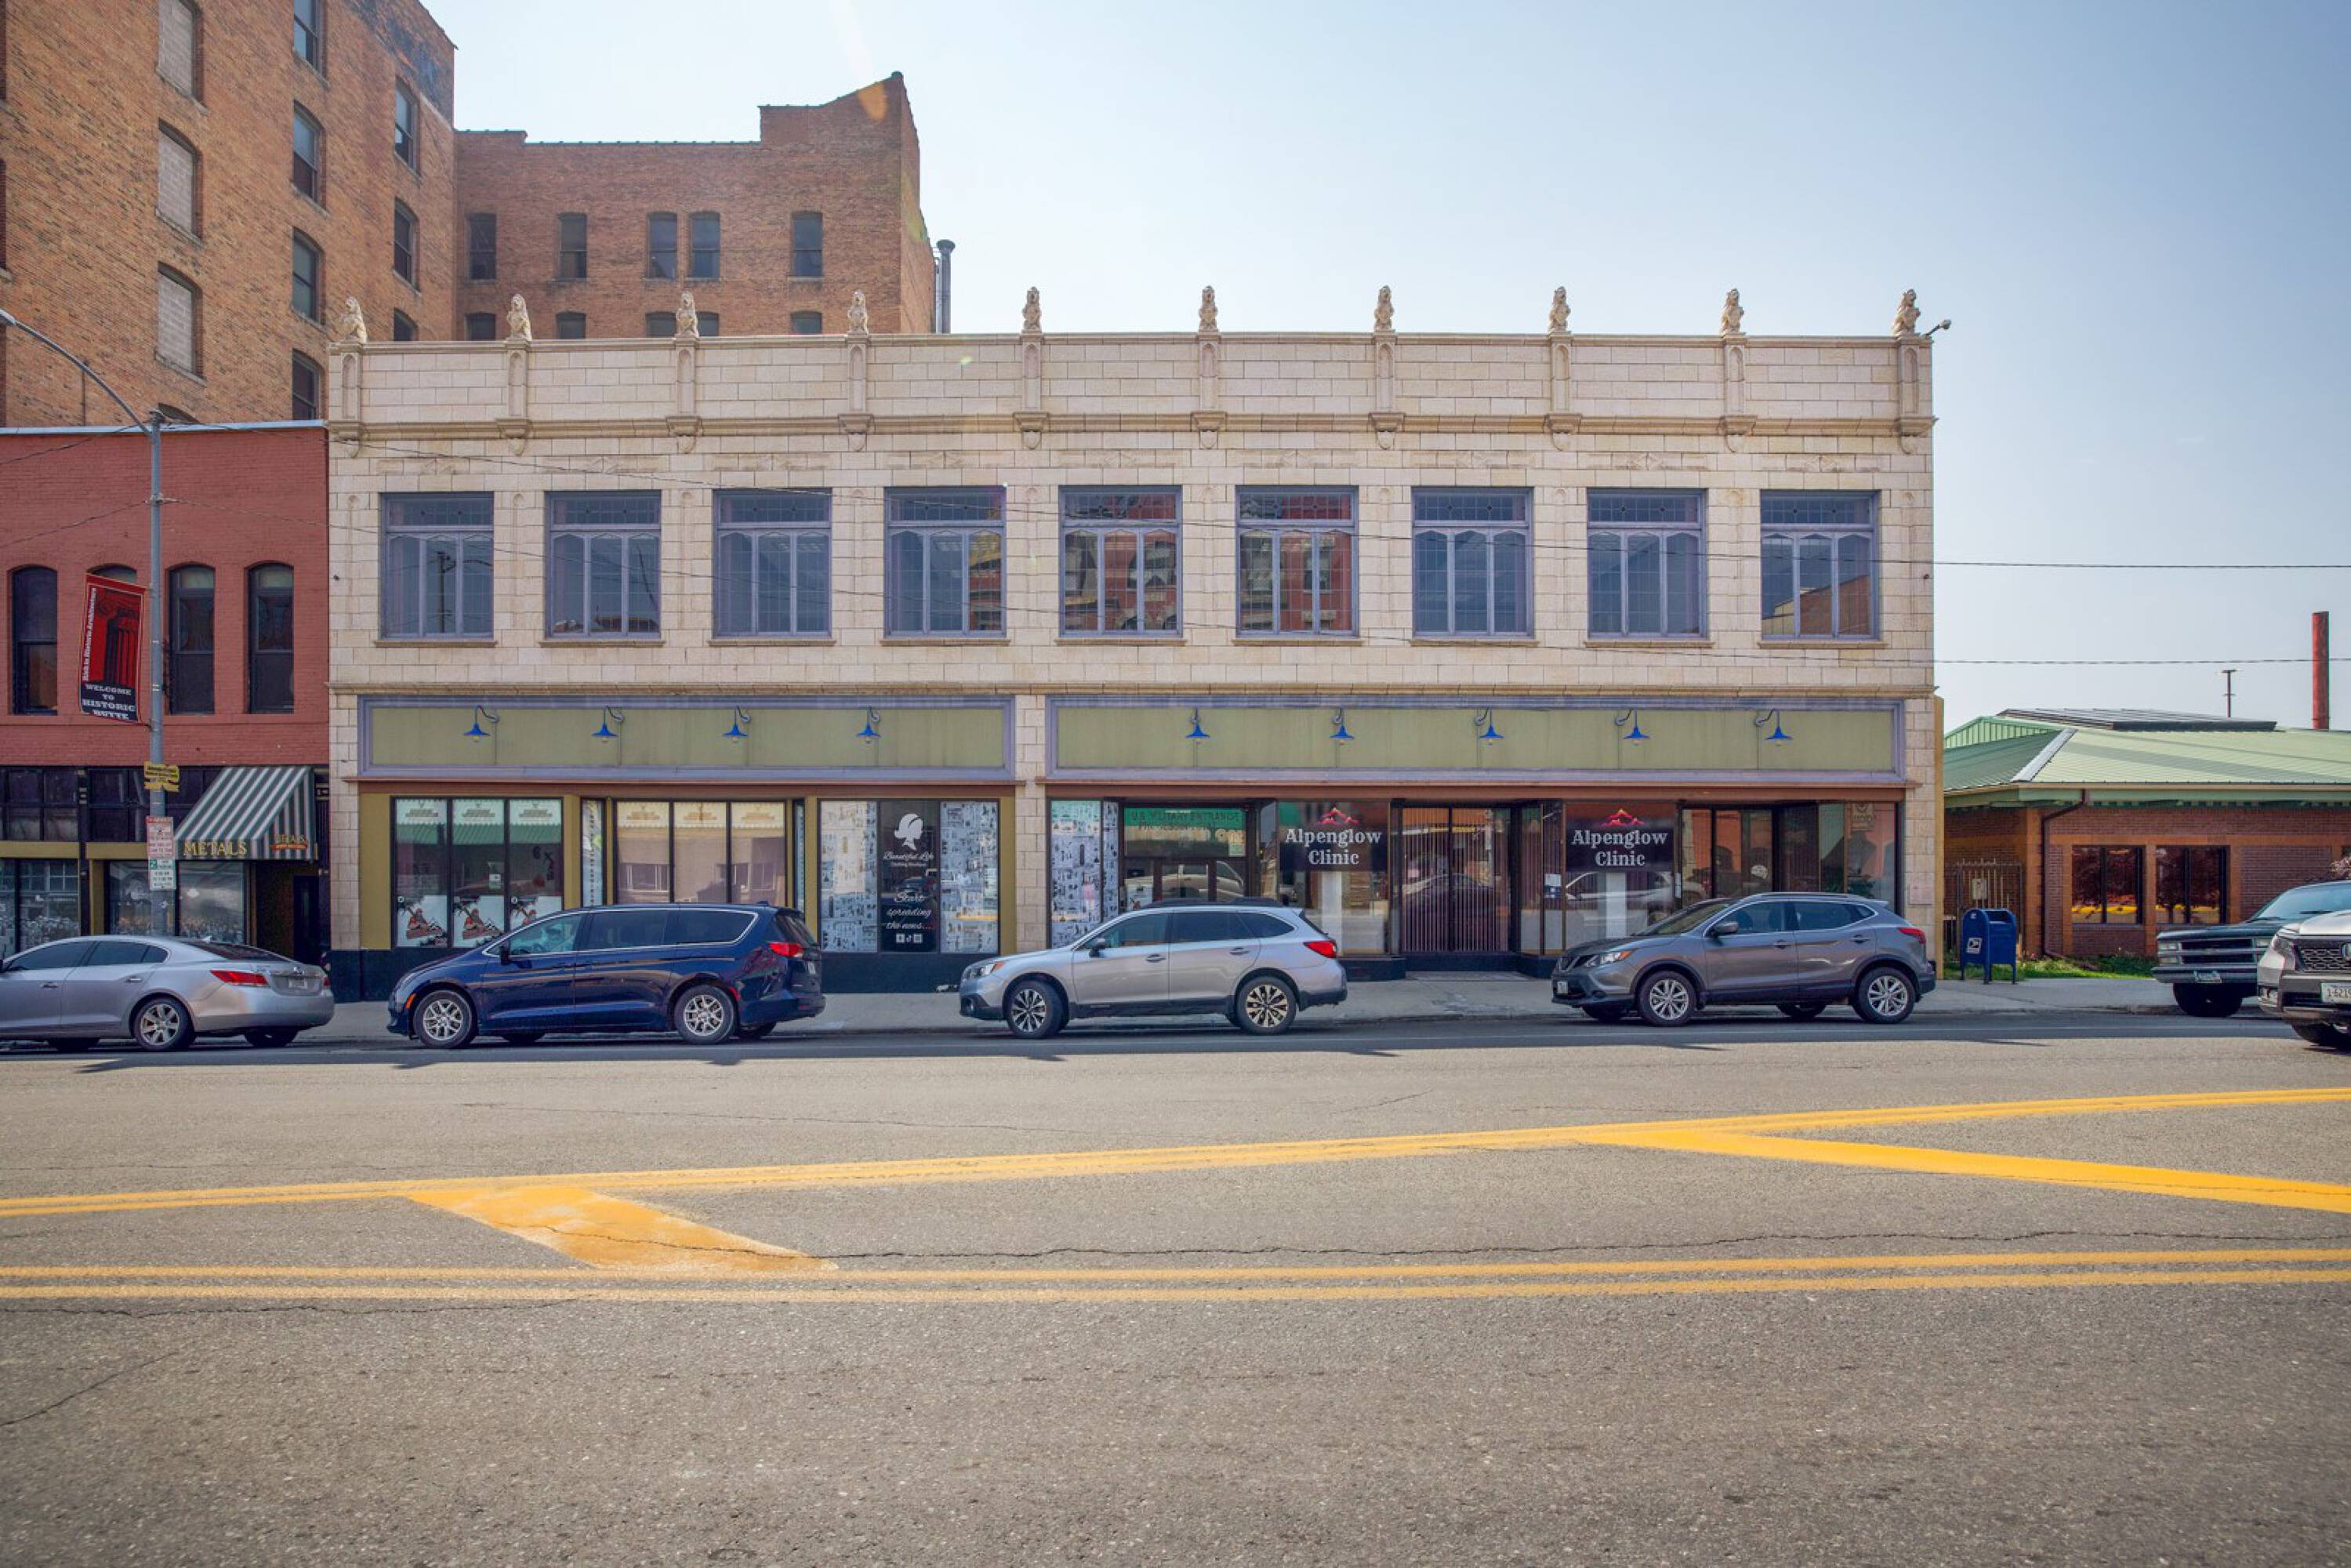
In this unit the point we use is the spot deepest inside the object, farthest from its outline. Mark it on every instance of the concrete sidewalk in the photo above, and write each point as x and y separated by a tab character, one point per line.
1416	996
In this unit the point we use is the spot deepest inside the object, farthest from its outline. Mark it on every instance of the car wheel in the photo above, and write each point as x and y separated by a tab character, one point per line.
1803	1012
162	1024
1266	1004
1885	994
1608	1012
705	1015
270	1036
754	1031
445	1018
522	1036
2208	1002
1033	1010
2335	1035
1667	998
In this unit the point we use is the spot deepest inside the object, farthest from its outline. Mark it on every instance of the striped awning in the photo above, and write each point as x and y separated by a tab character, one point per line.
252	814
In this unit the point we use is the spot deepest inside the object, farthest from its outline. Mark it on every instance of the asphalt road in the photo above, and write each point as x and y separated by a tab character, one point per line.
2074	1290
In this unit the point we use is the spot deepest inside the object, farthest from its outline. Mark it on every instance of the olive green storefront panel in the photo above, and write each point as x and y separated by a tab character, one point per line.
1502	740
774	740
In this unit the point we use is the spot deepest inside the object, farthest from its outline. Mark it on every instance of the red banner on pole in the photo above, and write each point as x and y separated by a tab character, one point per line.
110	650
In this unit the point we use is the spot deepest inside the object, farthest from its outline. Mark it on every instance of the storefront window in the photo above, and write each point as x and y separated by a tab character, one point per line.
1176	855
1616	871
1079	854
760	853
2191	884
698	852
463	871
641	851
533	861
212	901
968	917
478	836
845	884
1872	867
132	908
908	876
1332	862
40	900
419	873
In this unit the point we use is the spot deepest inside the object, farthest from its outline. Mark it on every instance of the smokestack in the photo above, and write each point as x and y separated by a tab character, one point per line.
2319	663
947	286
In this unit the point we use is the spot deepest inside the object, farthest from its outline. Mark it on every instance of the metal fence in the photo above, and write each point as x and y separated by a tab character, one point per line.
1980	884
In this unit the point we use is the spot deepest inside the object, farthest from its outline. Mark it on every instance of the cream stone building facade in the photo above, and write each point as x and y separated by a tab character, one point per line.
1475	644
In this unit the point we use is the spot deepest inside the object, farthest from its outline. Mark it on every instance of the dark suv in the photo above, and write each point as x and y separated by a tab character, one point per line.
2211	968
709	972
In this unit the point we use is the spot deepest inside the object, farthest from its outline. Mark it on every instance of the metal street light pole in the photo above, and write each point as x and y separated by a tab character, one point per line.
153	425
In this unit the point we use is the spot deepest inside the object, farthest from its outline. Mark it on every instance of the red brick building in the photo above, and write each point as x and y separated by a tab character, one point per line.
192	190
244	608
770	236
2102	828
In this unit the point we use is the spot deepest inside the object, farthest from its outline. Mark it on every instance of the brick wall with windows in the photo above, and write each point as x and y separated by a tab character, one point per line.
241	502
828	199
153	138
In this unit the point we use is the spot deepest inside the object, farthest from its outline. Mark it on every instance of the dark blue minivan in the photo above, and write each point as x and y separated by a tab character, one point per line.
709	972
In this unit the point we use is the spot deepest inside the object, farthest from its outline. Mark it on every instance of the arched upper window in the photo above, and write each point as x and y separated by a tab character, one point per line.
32	639
118	571
188	640
269	639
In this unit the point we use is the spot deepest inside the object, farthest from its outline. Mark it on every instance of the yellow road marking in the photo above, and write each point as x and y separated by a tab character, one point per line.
1466	1290
1145	1161
2274	1192
1234	1273
612	1233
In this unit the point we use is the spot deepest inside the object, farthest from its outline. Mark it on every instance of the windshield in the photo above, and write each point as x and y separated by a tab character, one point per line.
1689	919
2302	903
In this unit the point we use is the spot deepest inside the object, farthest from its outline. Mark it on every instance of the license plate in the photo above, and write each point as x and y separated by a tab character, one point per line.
2208	977
302	985
2334	993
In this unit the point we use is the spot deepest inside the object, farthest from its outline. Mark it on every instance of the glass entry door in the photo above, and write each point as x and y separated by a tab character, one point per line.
1453	879
1180	879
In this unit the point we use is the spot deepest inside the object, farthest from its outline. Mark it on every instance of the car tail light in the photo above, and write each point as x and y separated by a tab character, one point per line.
240	976
1913	931
786	949
1323	945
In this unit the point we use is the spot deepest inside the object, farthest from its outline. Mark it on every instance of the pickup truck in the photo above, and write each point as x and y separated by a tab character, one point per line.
2306	980
2212	969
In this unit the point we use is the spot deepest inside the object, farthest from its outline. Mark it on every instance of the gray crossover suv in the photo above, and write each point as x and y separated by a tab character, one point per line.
1259	964
1799	950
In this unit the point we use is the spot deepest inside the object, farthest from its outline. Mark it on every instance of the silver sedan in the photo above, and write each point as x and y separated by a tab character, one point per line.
160	992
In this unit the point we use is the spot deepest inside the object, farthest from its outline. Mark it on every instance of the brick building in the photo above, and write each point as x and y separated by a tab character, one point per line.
770	236
192	189
1476	645
244	612
2101	828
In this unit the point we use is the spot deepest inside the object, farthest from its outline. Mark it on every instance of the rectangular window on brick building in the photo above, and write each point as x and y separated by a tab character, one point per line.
310	156
808	323
177	183
572	324
2106	890
572	244
661	244
1470	563
32	639
404	331
269	639
808	245
2191	885
705	226
706	323
306	385
436	569
310	277
188	640
310	33
179	46
403	124
604	564
942	567
179	325
1646	566
774	566
481	327
1119	560
404	242
661	323
1820	564
1297	562
481	245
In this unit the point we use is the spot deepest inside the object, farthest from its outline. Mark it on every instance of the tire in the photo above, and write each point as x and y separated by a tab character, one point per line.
162	1024
2333	1036
1608	1012
1884	994
522	1036
445	1018
1667	998
2208	1002
1803	1012
703	1015
1034	1010
754	1031
1266	1004
272	1038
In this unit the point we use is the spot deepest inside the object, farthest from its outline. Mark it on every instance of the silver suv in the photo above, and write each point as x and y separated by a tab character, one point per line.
2305	978
1259	964
1799	950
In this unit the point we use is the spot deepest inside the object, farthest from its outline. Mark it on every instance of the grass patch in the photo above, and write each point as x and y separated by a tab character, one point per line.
2051	968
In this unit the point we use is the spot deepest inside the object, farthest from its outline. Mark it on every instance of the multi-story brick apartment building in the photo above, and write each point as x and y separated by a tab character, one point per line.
193	187
244	612
1475	645
770	236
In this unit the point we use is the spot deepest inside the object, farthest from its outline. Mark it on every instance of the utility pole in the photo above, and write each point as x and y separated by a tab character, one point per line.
2228	693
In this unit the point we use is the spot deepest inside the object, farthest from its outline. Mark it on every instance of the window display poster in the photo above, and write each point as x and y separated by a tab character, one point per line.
1074	839
591	852
967	869
478	906
908	856
845	911
420	895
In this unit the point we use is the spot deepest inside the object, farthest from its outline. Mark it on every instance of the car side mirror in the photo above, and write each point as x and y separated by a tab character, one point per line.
1724	928
1094	949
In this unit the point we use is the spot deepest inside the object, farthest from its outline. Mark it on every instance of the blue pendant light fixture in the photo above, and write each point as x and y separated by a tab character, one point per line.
1778	737
1196	732
872	730
1338	727
1632	718
741	729
1484	719
604	729
482	715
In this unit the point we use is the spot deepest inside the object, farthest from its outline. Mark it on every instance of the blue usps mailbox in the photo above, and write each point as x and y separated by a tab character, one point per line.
1987	937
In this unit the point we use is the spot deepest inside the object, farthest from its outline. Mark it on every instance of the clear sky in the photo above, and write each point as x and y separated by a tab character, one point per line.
2135	215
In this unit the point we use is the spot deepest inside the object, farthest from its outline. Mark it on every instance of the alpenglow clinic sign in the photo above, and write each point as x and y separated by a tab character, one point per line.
1330	846
1620	841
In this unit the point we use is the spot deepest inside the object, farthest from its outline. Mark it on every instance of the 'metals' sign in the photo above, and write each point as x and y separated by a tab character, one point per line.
110	650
